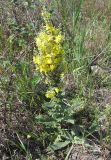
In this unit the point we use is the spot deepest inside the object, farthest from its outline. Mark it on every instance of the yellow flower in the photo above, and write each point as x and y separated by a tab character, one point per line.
62	75
57	90
50	38
52	67
48	60
59	38
48	55
50	28
50	94
36	59
46	15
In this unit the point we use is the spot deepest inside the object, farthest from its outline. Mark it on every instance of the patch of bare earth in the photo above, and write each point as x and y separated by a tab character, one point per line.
80	152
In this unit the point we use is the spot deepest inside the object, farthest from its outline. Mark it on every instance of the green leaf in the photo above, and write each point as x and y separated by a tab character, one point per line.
35	80
71	121
47	121
59	145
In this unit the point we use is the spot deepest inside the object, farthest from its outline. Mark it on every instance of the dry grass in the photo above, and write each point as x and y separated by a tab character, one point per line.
21	99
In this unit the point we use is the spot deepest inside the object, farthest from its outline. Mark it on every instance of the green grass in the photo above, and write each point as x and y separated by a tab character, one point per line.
29	119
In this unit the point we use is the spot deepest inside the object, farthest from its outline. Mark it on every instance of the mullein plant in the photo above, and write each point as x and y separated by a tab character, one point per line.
49	59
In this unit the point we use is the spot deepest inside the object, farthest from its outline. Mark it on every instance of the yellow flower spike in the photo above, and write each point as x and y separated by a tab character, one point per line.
50	50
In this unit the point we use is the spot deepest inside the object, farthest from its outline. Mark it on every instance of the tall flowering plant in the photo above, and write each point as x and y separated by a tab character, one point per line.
49	59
